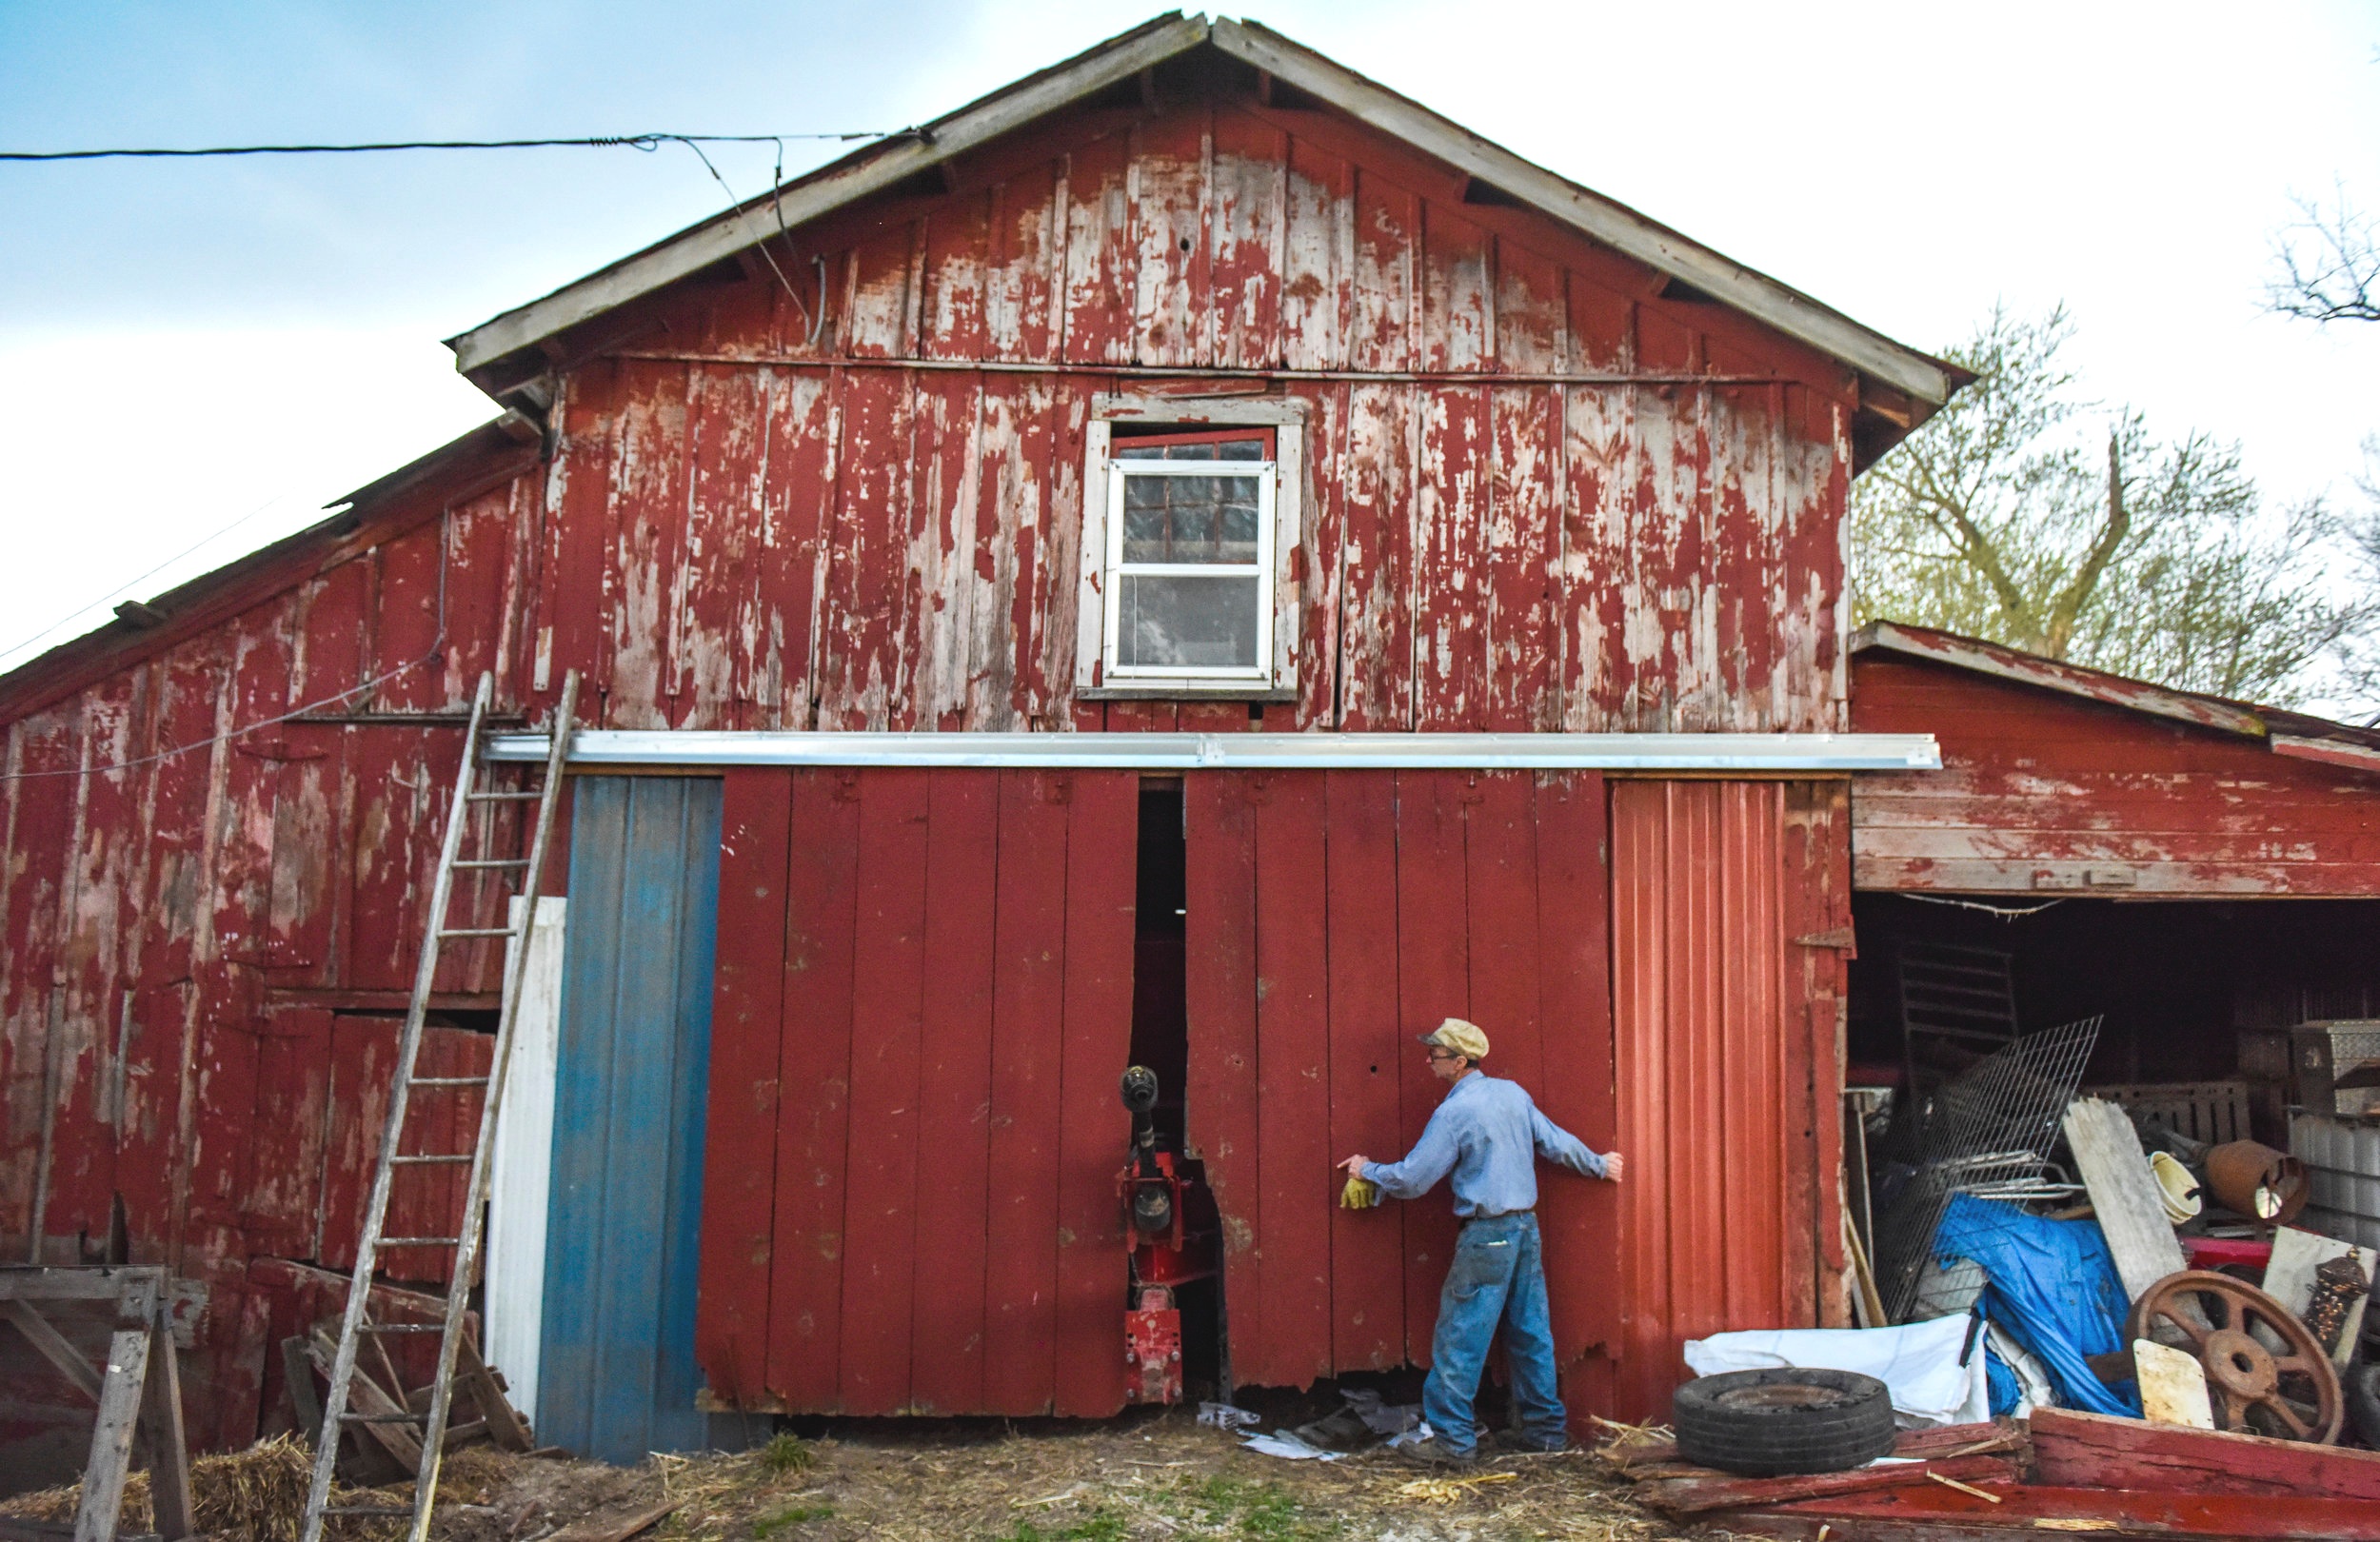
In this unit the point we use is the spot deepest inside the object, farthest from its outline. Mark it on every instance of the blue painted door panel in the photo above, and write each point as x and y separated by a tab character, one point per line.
618	1378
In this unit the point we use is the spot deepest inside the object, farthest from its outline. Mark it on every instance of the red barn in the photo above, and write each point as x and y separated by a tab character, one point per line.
1192	559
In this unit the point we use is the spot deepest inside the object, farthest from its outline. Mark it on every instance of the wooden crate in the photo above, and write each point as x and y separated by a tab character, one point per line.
2213	1112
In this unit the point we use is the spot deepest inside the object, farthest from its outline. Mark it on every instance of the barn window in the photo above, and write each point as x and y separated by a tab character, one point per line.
1187	588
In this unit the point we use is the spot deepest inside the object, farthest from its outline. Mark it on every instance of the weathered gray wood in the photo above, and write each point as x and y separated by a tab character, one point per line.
119	1417
2123	1194
297	1374
47	1283
170	1506
53	1346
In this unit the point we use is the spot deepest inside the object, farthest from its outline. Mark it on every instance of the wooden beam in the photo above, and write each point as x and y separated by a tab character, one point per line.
2123	1192
55	1347
171	1507
120	1400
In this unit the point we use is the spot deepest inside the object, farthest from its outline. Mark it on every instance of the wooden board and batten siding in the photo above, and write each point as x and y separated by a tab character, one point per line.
1547	487
2047	793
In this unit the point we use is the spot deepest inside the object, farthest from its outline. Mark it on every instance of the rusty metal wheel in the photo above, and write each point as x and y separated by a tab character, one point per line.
2266	1374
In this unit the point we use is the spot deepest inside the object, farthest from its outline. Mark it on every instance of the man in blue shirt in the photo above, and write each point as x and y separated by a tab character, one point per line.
1488	1135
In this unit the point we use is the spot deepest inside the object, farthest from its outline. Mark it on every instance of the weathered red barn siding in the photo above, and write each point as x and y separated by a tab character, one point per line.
2041	791
1543	495
1730	915
1335	916
923	1007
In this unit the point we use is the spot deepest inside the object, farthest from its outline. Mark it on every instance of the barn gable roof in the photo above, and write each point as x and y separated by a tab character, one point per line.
507	353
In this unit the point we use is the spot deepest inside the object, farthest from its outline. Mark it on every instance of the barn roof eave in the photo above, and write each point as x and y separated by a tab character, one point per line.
2287	731
488	354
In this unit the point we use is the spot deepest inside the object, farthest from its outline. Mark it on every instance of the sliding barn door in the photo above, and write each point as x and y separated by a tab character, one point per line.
1333	916
923	1004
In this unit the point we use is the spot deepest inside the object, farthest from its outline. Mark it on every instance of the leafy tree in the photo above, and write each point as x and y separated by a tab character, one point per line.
2006	518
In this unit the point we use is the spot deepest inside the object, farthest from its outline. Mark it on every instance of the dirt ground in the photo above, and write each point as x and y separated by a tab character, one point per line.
1159	1476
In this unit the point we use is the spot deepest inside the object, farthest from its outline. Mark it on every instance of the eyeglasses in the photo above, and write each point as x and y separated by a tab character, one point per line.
1444	1055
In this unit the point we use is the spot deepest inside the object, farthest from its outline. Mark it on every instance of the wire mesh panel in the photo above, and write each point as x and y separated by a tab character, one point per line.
1989	1132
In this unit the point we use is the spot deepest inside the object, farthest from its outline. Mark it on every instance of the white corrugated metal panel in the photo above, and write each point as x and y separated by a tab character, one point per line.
2343	1163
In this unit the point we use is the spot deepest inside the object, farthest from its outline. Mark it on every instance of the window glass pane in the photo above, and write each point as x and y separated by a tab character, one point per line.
1188	621
1190	519
1228	449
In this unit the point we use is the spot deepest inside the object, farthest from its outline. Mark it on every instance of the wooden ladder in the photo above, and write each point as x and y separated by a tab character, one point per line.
472	790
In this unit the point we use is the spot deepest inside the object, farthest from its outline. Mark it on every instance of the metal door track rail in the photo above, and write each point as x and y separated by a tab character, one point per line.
1747	753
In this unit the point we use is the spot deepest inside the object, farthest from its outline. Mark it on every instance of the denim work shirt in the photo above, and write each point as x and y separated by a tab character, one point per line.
1489	1134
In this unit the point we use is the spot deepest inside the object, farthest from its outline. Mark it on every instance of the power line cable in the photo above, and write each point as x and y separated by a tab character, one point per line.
648	143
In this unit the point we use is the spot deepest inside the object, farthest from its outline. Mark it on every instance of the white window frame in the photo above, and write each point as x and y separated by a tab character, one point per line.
1282	507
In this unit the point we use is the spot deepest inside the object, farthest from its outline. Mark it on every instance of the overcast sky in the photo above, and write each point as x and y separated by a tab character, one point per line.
186	345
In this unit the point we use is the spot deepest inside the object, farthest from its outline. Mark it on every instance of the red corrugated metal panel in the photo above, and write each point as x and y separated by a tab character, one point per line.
935	971
1719	1070
1333	916
2044	792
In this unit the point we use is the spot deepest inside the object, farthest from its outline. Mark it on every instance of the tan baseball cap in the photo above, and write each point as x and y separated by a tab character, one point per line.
1464	1039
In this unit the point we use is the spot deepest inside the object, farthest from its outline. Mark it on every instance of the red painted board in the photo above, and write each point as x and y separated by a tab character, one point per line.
2077	1450
1028	1003
739	1129
1367	1056
883	1168
1219	994
814	1086
1292	1078
1936	1511
1578	1218
1433	983
1449	638
1101	838
954	1095
292	1105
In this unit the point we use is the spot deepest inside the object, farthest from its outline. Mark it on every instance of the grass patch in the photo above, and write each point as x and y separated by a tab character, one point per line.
1261	1513
1098	1527
785	1454
800	1515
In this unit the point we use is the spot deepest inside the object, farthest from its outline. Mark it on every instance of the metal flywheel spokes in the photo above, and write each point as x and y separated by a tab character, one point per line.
2266	1373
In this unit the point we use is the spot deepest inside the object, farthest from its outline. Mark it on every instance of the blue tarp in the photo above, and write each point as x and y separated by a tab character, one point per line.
2054	1289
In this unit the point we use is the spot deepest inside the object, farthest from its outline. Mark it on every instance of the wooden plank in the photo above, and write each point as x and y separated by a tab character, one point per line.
2077	1450
1934	1511
2123	1192
954	1095
1521	536
292	1108
110	1460
882	1170
1095	323
1028	1005
1433	983
1102	836
1367	1055
1375	669
739	1129
806	1304
1249	161
55	1347
1450	653
1219	932
169	1504
796	501
1700	1495
1580	1220
1168	256
718	626
1298	1197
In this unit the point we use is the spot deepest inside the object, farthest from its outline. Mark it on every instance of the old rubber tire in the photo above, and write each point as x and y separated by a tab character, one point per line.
1771	1422
2362	1382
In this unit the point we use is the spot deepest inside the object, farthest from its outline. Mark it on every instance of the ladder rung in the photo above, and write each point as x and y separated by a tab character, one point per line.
475	931
429	1161
401	1326
421	1241
506	797
367	1509
384	1418
449	1081
494	861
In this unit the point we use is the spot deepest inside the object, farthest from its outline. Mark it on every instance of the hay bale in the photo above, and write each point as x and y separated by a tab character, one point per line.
252	1495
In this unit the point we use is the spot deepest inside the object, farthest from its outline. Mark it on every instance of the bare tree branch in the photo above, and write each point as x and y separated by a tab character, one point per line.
2329	264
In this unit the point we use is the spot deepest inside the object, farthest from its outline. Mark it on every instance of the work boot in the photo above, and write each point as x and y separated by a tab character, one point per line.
1438	1454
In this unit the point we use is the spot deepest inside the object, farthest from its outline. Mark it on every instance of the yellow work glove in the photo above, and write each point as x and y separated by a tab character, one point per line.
1359	1194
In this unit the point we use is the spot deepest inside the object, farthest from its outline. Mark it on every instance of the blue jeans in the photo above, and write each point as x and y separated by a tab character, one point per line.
1497	1275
